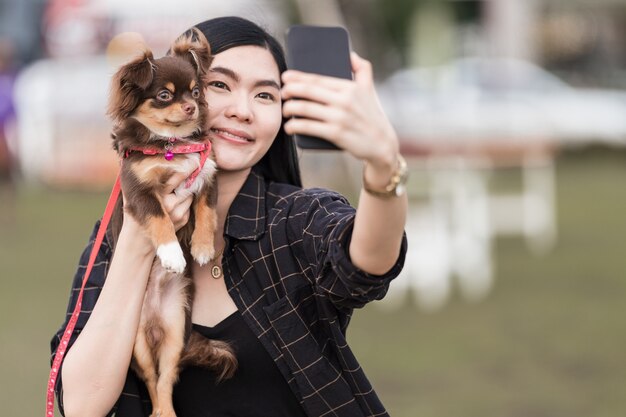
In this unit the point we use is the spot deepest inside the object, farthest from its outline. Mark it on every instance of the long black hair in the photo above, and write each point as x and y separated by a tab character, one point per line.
280	163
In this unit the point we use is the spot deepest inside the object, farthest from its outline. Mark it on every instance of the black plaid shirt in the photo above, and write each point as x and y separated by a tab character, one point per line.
287	268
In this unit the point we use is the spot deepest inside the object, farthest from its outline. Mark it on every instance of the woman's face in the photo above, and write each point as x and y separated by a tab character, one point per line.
243	94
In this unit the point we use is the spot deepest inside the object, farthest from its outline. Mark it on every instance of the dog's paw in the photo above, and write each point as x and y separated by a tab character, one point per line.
164	413
161	413
202	253
171	256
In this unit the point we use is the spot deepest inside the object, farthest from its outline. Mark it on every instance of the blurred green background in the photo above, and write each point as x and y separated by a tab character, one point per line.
549	340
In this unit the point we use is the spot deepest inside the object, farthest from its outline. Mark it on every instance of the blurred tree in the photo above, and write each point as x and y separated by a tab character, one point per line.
396	16
384	30
368	34
320	12
380	30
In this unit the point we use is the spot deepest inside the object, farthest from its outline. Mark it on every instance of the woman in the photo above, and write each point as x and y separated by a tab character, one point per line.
295	262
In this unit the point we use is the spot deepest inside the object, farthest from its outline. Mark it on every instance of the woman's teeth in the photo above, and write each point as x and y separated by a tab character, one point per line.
231	135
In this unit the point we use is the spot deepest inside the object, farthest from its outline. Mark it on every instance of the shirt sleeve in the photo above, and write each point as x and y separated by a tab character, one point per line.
90	296
320	226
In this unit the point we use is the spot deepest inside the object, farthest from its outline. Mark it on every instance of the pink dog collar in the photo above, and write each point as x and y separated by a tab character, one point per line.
204	149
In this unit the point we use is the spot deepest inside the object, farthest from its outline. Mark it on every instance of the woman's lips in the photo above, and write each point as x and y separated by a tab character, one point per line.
232	135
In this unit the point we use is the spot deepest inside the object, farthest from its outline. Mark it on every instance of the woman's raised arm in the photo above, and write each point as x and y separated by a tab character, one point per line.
348	113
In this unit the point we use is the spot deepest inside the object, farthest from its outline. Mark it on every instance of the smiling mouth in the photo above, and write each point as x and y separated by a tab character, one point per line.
232	136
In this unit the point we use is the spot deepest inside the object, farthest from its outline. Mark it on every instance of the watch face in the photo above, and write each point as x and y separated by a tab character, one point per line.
403	175
400	189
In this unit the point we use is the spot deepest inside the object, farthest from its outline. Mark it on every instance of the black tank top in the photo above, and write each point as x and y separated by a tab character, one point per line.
257	389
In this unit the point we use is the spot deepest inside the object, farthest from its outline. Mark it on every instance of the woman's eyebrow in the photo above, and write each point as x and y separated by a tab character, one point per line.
226	71
267	83
234	76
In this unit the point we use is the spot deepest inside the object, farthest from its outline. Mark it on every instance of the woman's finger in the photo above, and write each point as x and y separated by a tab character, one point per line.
362	68
178	208
312	110
312	92
331	132
173	201
177	179
320	81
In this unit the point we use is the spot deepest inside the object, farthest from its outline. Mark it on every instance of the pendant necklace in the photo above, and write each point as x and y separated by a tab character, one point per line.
216	270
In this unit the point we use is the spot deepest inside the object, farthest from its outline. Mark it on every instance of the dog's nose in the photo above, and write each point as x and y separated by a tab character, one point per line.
188	108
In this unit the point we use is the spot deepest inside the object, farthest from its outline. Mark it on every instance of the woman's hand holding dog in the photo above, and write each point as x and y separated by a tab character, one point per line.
177	206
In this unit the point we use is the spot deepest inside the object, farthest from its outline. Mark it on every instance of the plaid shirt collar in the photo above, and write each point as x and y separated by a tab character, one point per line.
246	218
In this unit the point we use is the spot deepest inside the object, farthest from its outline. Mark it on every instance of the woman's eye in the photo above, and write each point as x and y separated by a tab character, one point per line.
195	93
218	84
164	95
266	96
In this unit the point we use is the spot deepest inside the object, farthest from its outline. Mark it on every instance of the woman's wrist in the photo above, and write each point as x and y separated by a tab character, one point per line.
378	170
133	237
376	177
389	181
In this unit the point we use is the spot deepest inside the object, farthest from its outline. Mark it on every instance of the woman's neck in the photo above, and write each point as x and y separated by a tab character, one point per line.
228	185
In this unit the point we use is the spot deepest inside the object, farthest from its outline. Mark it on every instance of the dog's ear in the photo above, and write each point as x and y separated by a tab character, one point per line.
128	85
194	47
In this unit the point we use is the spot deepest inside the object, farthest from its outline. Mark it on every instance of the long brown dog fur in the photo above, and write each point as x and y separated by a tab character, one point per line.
151	101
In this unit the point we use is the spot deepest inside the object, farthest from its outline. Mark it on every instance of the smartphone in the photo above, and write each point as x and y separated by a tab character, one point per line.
321	50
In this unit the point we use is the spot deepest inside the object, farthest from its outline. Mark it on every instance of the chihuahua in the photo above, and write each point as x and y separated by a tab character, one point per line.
159	112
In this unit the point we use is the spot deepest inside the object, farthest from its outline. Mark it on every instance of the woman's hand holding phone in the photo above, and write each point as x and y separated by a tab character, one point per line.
344	112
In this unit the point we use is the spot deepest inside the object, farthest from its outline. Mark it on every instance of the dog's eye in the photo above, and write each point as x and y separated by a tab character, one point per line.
195	93
164	95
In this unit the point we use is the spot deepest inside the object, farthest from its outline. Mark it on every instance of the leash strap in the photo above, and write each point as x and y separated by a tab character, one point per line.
60	354
203	157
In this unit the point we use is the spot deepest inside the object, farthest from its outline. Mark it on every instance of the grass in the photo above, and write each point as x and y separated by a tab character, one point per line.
549	340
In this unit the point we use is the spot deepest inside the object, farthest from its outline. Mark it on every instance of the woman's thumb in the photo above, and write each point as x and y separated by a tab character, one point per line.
361	68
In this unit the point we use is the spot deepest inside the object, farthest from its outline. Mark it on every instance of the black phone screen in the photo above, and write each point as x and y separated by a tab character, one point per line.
321	50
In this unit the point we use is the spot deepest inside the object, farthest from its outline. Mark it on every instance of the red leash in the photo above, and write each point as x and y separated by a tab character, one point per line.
204	149
60	354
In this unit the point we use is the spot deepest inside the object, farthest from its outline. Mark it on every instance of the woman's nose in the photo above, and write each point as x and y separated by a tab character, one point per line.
240	109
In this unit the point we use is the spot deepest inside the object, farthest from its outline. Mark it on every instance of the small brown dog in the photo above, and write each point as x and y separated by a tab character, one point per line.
160	115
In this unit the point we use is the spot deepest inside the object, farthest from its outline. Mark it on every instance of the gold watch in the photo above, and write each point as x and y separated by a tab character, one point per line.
397	183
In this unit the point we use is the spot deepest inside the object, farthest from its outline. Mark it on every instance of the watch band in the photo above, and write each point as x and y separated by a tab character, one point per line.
397	184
